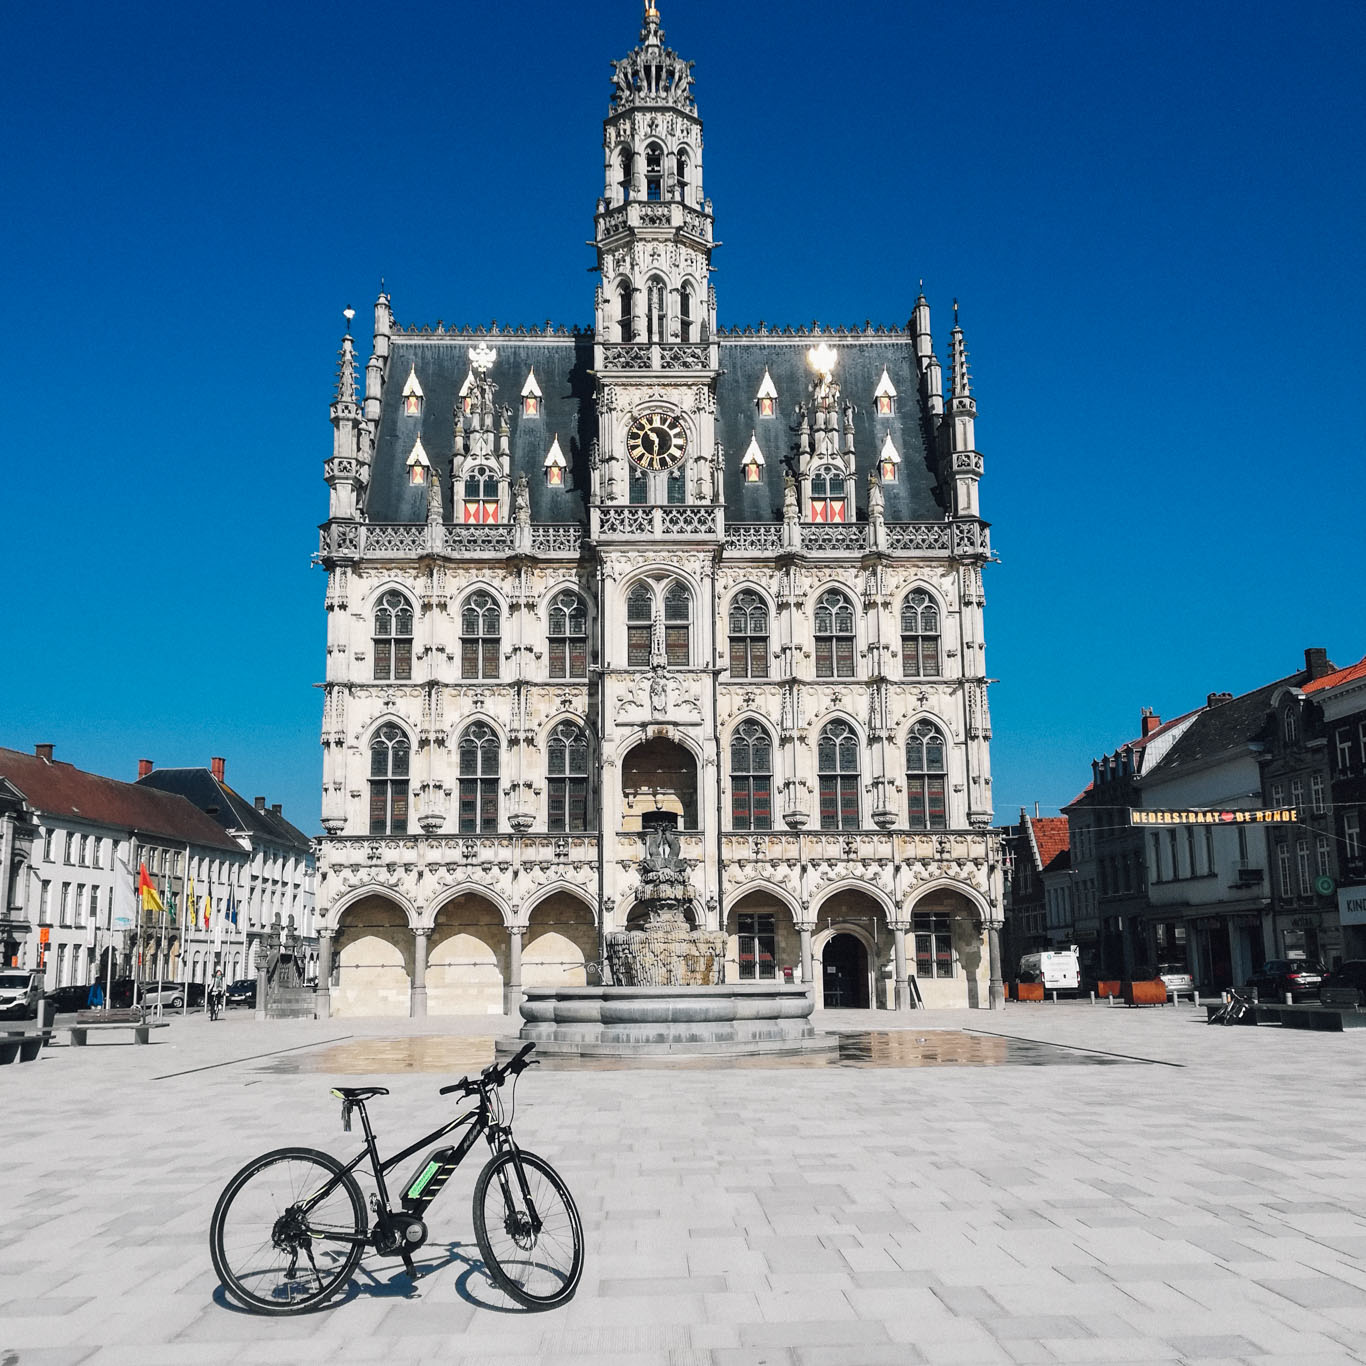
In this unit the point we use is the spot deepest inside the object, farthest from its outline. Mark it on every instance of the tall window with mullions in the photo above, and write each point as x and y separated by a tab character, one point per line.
640	619
478	758
757	947
567	778
480	637
393	638
748	635
751	778
389	755
677	625
568	637
834	632
919	636
837	763
926	778
933	946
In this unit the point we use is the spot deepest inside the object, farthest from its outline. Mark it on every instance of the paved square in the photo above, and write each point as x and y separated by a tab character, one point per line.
938	1201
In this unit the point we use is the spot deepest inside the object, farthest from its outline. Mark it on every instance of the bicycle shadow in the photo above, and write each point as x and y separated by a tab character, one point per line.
473	1284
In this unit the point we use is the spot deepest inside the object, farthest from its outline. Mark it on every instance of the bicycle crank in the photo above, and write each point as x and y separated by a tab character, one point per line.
405	1232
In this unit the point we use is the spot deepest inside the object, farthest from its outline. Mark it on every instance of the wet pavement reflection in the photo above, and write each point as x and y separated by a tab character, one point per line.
895	1048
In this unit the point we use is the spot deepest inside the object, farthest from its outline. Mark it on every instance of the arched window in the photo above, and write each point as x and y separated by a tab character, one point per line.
654	311
481	494
829	495
677	625
626	164
748	635
393	637
926	777
638	486
640	617
1292	726
478	752
624	312
568	636
837	766
676	487
685	314
681	173
751	778
834	622
567	778
919	636
654	172
480	636
389	754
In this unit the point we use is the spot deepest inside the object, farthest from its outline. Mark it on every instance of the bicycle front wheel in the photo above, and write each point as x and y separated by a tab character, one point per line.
277	1247
528	1229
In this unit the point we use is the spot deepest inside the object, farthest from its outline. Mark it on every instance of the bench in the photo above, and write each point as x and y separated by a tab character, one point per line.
22	1045
88	1021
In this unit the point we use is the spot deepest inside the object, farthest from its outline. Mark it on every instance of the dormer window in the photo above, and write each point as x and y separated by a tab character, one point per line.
829	499
885	395
481	495
531	396
412	395
555	465
888	460
419	467
752	463
467	393
654	173
767	397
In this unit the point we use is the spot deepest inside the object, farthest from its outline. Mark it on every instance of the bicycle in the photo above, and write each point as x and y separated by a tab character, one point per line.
291	1227
215	1004
1234	1010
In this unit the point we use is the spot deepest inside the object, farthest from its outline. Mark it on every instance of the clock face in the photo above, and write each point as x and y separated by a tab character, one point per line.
656	441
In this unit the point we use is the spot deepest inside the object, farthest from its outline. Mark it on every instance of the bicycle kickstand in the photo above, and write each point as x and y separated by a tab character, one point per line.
409	1267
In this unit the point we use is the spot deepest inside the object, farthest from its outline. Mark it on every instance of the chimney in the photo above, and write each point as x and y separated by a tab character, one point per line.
216	767
43	752
275	808
260	803
1217	699
1317	663
144	767
1147	722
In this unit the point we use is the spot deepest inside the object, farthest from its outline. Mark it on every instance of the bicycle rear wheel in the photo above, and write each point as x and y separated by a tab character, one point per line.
272	1254
528	1229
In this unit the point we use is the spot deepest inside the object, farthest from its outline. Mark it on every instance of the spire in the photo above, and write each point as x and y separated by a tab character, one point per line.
958	360
346	371
651	31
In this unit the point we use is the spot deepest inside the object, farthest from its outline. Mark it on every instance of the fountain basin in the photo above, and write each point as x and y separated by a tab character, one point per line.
621	1021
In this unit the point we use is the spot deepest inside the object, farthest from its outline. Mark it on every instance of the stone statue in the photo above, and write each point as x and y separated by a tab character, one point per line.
521	502
789	498
876	498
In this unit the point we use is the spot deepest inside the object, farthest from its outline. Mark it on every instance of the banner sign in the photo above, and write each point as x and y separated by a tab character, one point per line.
1272	815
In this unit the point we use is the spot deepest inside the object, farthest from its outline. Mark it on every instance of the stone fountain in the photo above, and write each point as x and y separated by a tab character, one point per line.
668	992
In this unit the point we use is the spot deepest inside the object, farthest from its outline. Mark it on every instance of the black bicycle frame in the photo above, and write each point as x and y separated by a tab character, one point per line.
481	1123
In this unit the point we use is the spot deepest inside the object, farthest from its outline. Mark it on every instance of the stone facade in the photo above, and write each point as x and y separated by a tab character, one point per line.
586	584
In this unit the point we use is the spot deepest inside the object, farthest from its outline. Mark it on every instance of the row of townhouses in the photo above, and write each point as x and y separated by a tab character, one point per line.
1223	897
229	871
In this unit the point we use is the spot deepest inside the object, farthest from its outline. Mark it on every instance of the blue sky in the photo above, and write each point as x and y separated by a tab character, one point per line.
1151	214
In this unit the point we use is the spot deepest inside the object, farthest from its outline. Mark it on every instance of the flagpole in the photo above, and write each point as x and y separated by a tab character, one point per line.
184	934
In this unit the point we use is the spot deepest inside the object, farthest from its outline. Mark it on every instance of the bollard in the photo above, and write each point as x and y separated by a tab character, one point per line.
1093	998
1289	999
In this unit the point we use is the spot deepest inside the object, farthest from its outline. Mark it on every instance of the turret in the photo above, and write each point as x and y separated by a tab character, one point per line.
961	418
378	365
344	472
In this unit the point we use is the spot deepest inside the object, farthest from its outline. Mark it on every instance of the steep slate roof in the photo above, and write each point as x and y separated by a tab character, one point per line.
563	363
226	807
54	788
1224	726
1351	674
442	361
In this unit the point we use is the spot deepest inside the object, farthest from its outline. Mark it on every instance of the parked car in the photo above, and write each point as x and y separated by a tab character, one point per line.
1296	977
241	992
164	994
67	999
1348	976
20	992
1176	976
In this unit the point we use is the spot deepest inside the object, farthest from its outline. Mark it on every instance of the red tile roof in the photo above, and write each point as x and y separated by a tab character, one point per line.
1050	837
62	790
1350	674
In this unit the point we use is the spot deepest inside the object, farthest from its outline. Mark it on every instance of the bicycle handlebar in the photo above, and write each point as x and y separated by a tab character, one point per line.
492	1075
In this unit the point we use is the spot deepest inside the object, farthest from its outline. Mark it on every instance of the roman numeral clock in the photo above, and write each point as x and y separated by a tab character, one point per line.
656	440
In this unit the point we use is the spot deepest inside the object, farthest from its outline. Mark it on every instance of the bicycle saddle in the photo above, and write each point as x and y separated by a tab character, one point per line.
359	1092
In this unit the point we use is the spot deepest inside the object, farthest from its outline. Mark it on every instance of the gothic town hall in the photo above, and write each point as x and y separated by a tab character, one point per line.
586	582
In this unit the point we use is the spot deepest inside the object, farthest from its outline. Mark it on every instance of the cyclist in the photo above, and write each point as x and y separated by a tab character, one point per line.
216	994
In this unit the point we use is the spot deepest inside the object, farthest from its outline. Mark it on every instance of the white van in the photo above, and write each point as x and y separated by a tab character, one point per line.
1057	969
20	992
